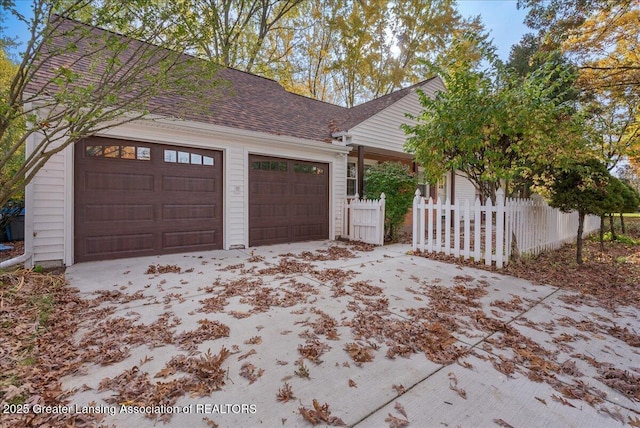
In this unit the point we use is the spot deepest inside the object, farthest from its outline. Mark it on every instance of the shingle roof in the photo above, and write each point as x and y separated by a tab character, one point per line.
256	103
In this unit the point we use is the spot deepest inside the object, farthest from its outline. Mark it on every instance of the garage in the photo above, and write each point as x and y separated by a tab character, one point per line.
139	199
288	200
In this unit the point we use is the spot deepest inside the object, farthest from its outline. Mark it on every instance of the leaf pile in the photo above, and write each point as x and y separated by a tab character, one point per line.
160	269
39	315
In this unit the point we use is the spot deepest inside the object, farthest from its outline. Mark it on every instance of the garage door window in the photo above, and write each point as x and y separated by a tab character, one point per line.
178	156
119	152
269	166
308	169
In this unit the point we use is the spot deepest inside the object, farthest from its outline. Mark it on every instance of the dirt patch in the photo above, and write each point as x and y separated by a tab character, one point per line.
17	250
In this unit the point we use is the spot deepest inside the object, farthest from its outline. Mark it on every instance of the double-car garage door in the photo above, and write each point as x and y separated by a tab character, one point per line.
136	199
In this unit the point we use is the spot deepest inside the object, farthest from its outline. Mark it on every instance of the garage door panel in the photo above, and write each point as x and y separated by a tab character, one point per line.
189	212
112	181
145	202
269	211
309	231
181	240
118	212
109	246
265	188
288	200
269	234
309	189
309	210
188	184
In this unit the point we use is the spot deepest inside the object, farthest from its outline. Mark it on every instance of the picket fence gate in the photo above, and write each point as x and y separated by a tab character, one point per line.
365	219
487	232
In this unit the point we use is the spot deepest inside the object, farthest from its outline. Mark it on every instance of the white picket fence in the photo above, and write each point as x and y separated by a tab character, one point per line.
365	220
485	231
538	227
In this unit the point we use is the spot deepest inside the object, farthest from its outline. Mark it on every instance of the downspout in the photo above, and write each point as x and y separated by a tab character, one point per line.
14	261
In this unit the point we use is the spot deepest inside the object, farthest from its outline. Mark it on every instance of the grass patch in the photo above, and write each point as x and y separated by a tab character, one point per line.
622	239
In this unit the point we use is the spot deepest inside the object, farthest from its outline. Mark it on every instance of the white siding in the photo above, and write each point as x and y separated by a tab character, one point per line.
382	130
339	184
464	189
235	209
45	207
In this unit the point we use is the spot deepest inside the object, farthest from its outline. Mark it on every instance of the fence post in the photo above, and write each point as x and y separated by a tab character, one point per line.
467	229
381	214
416	200
352	227
488	232
477	228
500	212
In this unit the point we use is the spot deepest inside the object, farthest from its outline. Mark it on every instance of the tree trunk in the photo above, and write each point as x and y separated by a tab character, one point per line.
515	251
602	233
622	224
579	238
613	230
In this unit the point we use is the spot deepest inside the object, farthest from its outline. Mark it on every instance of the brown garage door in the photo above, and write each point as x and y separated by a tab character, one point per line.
136	199
288	200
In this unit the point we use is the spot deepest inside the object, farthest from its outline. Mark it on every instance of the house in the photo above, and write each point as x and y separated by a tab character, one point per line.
262	166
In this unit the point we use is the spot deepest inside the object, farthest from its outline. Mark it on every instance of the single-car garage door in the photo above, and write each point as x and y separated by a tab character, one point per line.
288	200
137	199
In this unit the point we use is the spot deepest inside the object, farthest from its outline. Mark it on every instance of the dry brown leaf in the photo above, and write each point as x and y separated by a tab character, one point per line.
399	389
359	354
320	414
502	423
166	372
255	340
285	393
562	400
250	372
352	384
248	354
400	409
395	422
210	422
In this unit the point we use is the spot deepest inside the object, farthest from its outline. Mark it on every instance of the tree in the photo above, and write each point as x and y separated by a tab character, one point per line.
74	81
612	203
613	123
398	184
528	56
13	133
496	128
602	35
631	202
581	187
629	175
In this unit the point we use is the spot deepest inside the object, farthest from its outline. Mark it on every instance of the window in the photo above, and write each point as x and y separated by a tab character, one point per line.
269	166
423	185
119	152
307	169
173	156
352	179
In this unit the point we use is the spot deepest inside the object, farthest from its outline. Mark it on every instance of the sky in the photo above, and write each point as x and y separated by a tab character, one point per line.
501	17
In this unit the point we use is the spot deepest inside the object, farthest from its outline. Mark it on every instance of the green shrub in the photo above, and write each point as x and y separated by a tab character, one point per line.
398	184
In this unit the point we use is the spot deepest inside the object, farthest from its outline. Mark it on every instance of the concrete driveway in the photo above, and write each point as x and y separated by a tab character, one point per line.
249	338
